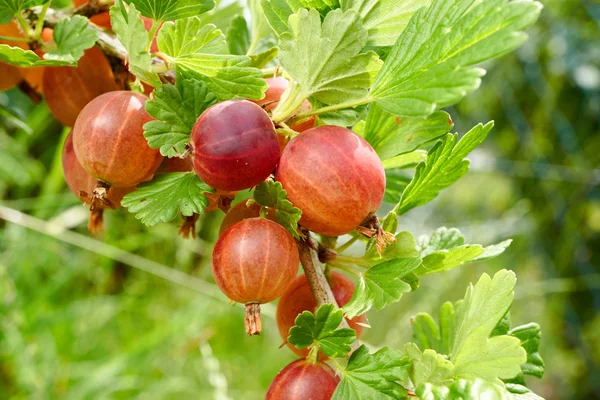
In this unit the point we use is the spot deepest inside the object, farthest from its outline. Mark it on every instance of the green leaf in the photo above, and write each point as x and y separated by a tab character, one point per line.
322	330
199	52
259	27
322	6
475	353
222	15
325	59
10	8
427	366
271	194
446	249
432	63
381	285
427	334
346	118
189	36
373	376
277	13
405	246
72	36
405	160
463	390
445	164
176	110
169	10
395	184
530	335
166	196
384	19
390	135
260	60
520	392
130	30
238	36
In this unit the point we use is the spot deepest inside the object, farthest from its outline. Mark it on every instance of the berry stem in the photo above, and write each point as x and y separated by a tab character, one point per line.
350	242
317	280
252	319
40	22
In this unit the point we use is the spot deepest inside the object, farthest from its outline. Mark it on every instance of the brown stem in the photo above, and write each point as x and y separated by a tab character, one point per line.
96	222
317	280
188	226
252	319
30	92
107	41
92	8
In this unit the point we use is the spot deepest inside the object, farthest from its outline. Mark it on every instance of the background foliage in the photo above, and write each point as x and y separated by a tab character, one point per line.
76	324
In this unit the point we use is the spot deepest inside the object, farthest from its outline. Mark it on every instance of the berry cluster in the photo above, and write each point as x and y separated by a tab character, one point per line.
331	174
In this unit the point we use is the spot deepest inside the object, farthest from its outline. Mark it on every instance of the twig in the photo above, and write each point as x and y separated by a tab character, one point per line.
91	8
317	280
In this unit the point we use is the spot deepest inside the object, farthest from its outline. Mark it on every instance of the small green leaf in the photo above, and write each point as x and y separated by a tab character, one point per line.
238	36
10	8
427	366
381	285
530	335
373	376
322	6
445	164
445	249
222	15
169	10
176	111
71	35
277	13
325	58
130	30
432	63
464	390
322	330
405	246
384	19
427	334
271	194
191	36
520	392
390	135
406	160
475	353
166	196
260	60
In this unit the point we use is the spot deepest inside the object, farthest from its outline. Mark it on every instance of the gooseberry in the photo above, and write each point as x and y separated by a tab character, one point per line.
108	138
299	298
68	89
334	176
235	145
82	185
254	262
303	379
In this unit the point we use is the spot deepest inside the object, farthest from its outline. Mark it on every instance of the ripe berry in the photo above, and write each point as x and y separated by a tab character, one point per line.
299	298
302	380
242	211
276	88
108	138
254	262
68	89
235	145
334	176
82	185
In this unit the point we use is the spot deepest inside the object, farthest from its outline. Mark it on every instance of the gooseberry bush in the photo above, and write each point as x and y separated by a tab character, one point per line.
323	121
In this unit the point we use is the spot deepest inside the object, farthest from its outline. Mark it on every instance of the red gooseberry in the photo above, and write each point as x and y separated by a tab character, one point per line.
334	176
101	19
303	380
82	185
108	138
68	89
235	145
254	262
299	298
276	88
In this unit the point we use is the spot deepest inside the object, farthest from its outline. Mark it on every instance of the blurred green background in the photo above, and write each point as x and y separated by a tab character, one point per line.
131	314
